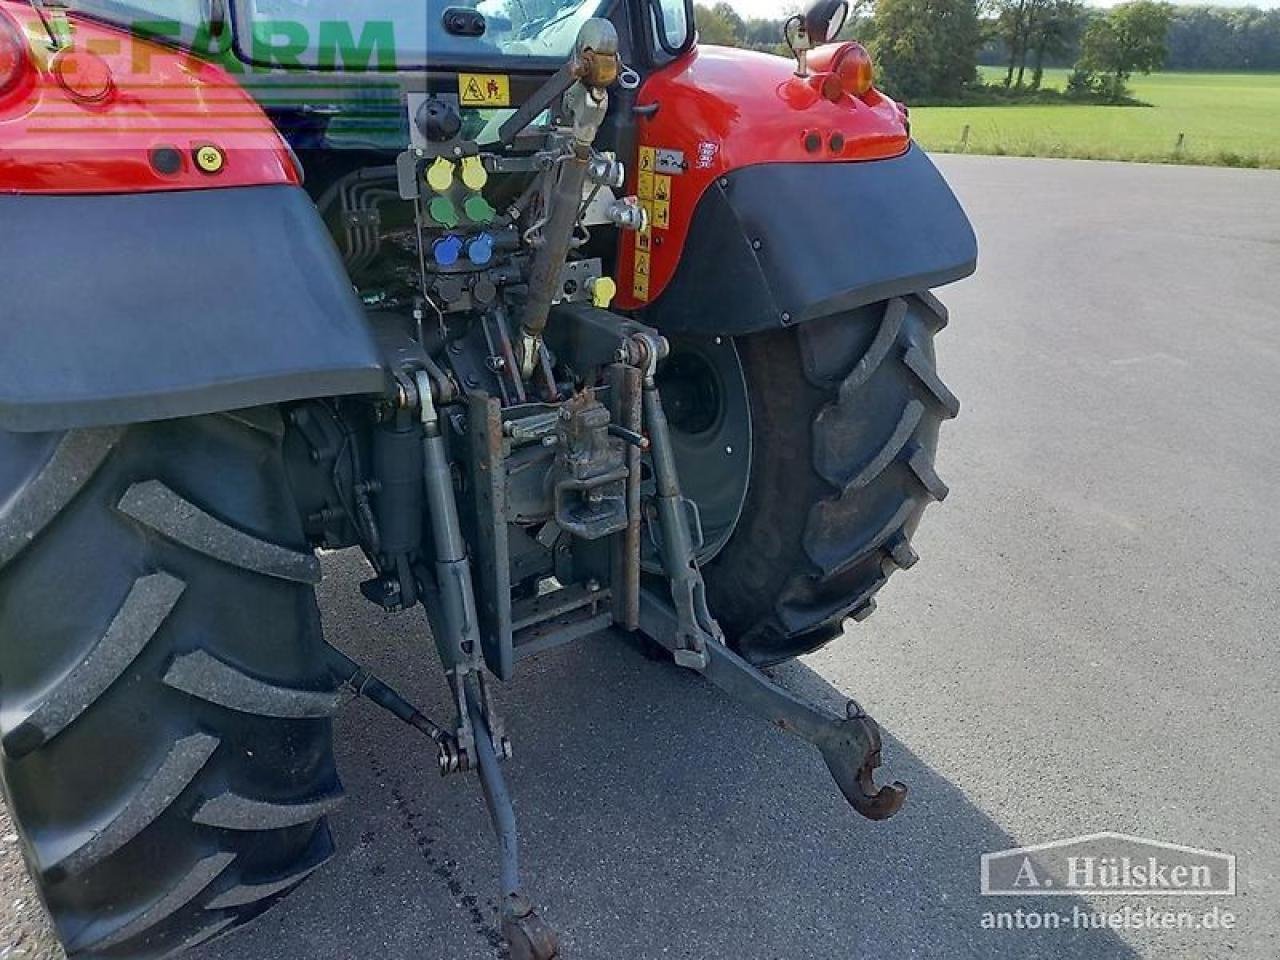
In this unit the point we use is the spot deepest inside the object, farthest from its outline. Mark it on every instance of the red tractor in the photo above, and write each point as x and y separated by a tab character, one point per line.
573	327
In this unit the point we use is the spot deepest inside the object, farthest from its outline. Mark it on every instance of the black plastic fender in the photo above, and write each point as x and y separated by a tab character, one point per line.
130	308
779	244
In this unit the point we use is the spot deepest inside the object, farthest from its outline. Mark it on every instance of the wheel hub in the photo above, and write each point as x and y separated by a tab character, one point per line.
704	393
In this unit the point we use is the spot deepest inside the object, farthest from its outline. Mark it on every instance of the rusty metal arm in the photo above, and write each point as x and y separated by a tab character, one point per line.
850	745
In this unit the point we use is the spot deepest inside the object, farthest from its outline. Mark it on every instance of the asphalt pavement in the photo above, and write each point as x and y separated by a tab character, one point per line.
1088	643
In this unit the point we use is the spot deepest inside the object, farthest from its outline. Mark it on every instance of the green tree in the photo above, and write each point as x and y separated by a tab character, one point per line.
926	48
1130	39
1054	33
1032	30
715	28
732	18
1213	38
763	33
1011	26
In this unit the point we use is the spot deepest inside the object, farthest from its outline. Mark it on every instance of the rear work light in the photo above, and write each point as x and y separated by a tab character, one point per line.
15	57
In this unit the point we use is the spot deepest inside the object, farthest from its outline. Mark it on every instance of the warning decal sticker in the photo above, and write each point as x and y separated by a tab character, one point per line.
484	90
656	168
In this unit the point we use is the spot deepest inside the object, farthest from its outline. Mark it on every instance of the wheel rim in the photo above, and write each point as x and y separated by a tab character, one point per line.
704	395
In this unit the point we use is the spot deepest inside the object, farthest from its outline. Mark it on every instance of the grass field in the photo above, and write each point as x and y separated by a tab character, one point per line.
1225	119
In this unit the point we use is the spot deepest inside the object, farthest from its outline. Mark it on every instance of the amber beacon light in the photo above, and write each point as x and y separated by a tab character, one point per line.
852	64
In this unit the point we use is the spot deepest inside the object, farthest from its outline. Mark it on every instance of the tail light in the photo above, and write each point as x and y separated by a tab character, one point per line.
852	64
15	57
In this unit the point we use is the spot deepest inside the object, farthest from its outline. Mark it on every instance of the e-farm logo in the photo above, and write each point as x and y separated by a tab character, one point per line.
268	45
1108	864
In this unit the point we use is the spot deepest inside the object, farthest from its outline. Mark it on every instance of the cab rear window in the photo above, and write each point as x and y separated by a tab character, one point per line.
354	35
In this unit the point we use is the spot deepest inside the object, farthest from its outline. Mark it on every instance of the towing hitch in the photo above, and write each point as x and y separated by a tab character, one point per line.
850	745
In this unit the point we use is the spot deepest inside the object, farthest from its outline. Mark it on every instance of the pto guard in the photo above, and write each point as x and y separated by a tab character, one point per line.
158	255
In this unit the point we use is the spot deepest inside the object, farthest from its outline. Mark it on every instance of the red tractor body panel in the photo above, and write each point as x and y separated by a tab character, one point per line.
720	110
113	113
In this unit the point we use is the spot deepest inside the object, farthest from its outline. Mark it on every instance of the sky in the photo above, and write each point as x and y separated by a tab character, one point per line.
775	8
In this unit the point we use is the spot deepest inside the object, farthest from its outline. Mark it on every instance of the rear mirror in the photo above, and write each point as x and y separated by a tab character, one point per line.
820	24
824	21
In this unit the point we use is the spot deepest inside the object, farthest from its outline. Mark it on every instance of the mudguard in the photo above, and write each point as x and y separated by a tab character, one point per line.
137	307
773	245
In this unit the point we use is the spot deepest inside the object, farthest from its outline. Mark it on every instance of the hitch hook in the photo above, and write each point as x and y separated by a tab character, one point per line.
850	745
854	770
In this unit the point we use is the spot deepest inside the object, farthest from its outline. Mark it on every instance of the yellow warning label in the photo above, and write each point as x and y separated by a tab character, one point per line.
484	89
661	188
648	159
662	214
645	186
643	263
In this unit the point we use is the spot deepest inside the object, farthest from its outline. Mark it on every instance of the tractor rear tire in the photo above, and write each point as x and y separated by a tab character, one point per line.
845	414
165	710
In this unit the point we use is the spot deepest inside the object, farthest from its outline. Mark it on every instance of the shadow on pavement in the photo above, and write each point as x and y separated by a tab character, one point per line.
659	821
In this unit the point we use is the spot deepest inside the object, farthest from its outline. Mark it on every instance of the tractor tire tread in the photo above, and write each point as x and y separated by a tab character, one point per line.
193	883
156	506
245	894
205	676
156	795
850	471
75	459
149	603
167	744
231	811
